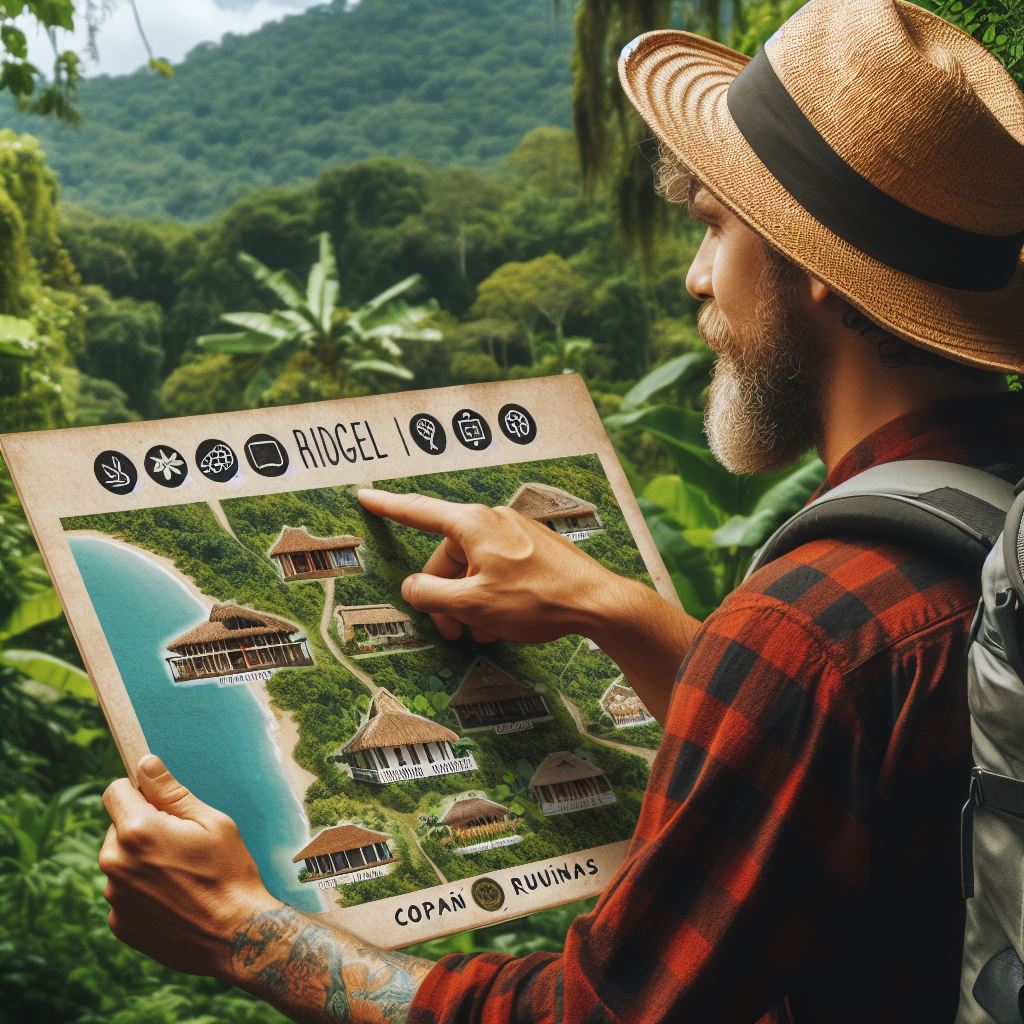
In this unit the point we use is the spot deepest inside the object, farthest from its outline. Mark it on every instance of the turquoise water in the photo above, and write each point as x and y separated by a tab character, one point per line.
214	739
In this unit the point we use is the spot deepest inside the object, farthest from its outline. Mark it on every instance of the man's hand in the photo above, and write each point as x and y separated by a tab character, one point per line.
183	890
496	572
504	576
180	882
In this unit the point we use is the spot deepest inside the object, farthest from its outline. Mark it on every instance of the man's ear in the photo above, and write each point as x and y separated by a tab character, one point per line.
819	290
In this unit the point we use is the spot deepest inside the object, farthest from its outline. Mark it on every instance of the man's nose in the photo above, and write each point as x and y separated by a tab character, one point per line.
698	277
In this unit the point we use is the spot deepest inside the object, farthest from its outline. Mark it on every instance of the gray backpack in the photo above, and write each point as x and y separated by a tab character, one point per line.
975	518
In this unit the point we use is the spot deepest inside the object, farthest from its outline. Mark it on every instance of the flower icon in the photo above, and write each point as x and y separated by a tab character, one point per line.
167	465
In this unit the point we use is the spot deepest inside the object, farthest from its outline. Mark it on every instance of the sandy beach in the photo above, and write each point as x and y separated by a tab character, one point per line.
285	734
281	726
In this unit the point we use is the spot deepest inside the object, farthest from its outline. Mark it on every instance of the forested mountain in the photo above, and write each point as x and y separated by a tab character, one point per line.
446	81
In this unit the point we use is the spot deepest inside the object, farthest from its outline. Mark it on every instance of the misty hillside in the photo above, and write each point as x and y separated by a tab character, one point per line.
442	80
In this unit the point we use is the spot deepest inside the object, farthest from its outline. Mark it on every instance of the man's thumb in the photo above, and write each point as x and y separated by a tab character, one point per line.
434	594
164	791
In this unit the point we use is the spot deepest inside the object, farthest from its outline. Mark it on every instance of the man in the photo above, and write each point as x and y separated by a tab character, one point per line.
796	853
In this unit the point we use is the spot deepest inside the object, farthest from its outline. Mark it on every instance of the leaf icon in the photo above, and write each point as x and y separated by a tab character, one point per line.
116	476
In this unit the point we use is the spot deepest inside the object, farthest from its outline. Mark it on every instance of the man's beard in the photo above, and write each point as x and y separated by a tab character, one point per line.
764	405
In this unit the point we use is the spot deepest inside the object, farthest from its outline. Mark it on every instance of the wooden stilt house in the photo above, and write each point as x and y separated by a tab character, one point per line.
236	640
393	745
490	698
304	557
559	510
376	627
564	782
344	850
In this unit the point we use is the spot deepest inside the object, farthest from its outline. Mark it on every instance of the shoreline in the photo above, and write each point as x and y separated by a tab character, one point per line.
285	733
162	560
280	725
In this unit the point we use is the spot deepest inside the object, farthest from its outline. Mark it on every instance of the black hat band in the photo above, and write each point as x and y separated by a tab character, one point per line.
846	203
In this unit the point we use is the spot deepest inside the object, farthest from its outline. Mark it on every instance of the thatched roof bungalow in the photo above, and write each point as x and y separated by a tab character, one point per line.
559	510
235	640
375	627
393	745
483	824
624	707
304	557
472	811
490	698
344	849
564	782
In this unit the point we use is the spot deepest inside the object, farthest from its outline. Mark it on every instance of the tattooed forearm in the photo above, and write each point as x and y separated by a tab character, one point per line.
316	974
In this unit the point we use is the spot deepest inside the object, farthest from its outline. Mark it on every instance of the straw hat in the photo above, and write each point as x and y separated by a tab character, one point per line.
875	145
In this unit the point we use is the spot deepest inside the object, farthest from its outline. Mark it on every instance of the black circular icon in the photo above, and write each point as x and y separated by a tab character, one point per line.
116	472
517	424
487	894
471	429
428	433
266	455
166	465
217	461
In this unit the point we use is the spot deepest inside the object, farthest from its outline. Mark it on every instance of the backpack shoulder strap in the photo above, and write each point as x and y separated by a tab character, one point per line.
955	510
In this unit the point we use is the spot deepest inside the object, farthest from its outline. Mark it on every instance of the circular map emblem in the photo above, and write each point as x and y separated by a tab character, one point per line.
166	465
217	461
487	894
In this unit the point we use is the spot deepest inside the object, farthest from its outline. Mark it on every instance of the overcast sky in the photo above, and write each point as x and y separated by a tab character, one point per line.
173	29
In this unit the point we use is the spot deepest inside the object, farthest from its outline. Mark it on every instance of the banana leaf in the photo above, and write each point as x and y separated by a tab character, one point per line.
18	348
32	611
675	371
270	368
50	671
322	287
275	281
268	324
681	431
240	344
772	508
690	567
386	296
378	366
684	503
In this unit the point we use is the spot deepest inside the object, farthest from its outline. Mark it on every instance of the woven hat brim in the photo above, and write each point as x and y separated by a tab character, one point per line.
678	82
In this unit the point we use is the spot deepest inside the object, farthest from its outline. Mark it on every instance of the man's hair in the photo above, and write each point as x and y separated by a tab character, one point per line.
673	181
672	177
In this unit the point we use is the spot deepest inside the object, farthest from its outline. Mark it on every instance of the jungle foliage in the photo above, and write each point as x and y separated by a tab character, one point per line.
100	316
450	83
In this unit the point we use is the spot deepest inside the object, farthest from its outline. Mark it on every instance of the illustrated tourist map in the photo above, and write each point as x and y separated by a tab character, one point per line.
241	615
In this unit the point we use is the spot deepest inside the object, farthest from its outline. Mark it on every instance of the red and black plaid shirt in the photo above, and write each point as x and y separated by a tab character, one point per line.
796	855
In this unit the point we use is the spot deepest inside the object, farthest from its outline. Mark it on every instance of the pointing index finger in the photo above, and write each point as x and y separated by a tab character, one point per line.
417	510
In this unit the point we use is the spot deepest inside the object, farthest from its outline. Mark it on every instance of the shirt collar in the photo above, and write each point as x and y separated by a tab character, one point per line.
980	431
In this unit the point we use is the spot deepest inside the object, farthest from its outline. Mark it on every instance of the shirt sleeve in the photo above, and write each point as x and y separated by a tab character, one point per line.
750	854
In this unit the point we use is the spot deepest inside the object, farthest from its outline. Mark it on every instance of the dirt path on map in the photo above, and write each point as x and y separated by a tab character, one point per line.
647	754
325	632
218	511
408	822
